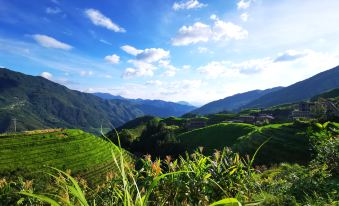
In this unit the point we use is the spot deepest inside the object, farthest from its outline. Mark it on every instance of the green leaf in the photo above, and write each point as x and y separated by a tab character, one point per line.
41	198
233	171
325	125
19	202
207	176
226	202
320	126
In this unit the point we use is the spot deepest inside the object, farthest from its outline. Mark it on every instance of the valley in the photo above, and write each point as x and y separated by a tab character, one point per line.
169	103
265	142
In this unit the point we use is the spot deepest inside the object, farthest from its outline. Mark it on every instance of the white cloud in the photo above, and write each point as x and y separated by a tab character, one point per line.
228	69
153	55
243	4
186	67
204	50
177	89
214	17
140	69
302	64
188	4
50	42
86	73
113	59
171	70
50	10
228	30
46	75
154	83
187	84
291	55
217	69
55	1
99	19
309	20
149	55
105	42
131	50
145	61
107	76
244	17
200	32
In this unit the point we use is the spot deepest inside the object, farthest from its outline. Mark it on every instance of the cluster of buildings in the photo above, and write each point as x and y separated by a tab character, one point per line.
310	110
304	110
259	119
255	119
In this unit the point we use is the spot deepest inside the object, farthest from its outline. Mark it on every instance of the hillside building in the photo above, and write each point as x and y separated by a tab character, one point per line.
247	119
196	123
303	110
322	107
264	118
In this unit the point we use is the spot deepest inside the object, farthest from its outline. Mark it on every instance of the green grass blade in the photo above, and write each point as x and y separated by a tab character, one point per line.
41	198
226	202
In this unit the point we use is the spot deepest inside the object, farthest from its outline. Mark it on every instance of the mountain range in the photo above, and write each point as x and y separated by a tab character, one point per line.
157	108
233	103
33	102
299	91
36	103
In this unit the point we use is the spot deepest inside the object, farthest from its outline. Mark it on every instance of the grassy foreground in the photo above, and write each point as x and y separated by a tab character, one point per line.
223	178
25	154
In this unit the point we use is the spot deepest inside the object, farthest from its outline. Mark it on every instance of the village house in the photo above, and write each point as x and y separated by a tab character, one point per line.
264	118
308	110
196	123
331	109
247	119
303	111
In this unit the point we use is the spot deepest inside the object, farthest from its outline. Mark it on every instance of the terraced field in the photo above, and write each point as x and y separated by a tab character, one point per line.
288	142
215	136
81	152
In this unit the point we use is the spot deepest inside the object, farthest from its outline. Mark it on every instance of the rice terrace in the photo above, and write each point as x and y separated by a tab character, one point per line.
169	102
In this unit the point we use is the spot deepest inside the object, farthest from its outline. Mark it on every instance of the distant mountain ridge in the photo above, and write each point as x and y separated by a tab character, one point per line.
38	103
234	102
107	96
157	108
299	91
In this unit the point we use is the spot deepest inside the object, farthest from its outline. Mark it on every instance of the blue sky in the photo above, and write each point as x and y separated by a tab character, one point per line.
190	50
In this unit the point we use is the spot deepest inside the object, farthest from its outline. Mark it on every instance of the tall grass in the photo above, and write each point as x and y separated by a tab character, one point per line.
127	189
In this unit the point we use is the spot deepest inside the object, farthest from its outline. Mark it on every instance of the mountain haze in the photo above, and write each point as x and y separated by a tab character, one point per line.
233	103
107	96
299	91
39	103
157	108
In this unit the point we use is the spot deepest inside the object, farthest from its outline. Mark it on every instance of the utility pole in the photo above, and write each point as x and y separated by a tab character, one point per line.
14	121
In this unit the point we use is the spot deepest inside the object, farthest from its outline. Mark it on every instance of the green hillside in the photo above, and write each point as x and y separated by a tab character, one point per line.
233	103
300	91
157	108
82	153
38	103
215	136
334	93
136	122
288	142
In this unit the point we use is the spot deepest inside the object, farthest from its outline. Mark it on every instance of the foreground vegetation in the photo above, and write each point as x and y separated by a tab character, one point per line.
195	179
25	154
